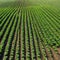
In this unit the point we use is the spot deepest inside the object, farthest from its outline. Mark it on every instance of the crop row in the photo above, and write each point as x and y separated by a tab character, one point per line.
29	33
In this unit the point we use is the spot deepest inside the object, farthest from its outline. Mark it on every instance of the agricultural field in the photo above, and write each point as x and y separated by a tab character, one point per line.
30	30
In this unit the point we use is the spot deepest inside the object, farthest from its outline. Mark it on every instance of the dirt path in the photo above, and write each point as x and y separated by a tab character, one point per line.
47	54
55	56
58	49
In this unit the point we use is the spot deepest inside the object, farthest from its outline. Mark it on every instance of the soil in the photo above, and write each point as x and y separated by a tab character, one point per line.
58	49
55	56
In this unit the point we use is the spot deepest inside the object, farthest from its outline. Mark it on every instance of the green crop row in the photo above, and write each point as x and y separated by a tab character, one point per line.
29	33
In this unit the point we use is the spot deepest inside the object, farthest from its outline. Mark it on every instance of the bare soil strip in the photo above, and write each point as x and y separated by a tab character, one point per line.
55	56
58	49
